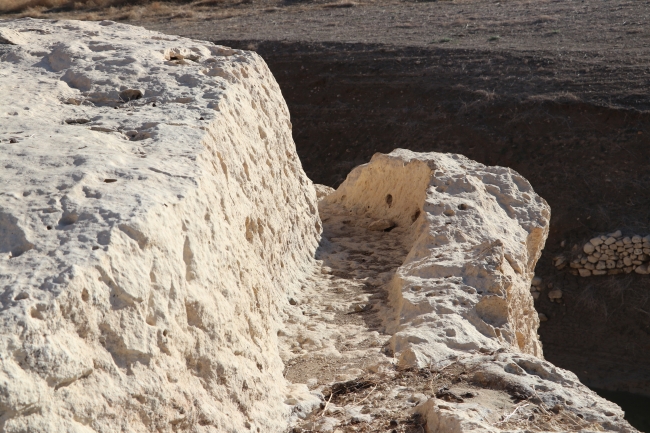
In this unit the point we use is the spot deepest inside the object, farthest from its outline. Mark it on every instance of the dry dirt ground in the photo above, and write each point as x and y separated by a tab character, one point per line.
557	90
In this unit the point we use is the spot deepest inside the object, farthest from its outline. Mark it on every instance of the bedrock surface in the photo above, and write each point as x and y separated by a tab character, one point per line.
162	266
459	318
153	212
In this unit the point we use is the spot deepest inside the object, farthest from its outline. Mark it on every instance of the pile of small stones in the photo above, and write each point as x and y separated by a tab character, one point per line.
610	254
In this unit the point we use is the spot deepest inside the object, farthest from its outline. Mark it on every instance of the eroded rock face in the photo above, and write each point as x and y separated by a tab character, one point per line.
156	227
476	233
460	309
153	212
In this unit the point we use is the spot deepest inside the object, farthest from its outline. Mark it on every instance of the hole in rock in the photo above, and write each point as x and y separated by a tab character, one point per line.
130	95
389	200
110	180
68	219
76	121
36	313
21	296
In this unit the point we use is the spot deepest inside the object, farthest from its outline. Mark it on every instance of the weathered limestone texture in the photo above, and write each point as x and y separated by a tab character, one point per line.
460	309
153	212
476	233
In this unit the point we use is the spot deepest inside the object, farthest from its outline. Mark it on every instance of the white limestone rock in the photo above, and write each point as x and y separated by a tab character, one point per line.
545	388
476	233
153	214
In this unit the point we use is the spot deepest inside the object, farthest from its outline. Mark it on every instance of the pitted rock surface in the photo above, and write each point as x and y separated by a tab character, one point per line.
153	212
164	265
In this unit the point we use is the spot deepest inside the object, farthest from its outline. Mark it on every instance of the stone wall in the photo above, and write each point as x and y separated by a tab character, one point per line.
610	254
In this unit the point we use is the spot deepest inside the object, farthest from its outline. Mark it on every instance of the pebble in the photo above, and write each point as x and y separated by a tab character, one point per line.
536	281
542	317
324	425
596	241
555	294
610	241
356	416
584	272
417	397
588	248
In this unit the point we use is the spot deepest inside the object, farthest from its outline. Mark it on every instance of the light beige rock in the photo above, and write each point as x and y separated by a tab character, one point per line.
481	277
322	191
610	240
555	294
536	281
584	272
616	234
588	248
142	272
596	241
380	225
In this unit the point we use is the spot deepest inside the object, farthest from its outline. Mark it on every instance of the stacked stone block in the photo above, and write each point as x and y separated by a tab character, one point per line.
610	254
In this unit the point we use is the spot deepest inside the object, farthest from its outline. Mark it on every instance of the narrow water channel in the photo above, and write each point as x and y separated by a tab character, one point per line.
636	407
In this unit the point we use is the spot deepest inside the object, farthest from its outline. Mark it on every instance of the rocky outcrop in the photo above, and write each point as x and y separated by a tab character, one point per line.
162	265
153	212
475	235
460	316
